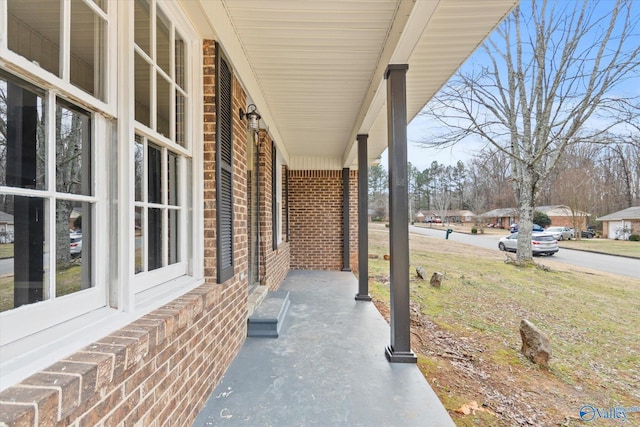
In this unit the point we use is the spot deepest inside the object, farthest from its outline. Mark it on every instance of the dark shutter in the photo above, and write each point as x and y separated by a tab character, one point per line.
274	197
224	169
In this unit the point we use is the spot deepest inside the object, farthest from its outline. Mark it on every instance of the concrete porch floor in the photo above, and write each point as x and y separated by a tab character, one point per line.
327	368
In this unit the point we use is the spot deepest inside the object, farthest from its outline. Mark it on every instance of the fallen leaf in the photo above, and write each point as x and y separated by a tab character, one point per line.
471	408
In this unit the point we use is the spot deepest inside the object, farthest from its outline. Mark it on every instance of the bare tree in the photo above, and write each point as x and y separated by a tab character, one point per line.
440	188
378	191
576	183
490	181
552	68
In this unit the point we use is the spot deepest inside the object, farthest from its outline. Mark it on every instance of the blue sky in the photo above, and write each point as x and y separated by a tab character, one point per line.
419	128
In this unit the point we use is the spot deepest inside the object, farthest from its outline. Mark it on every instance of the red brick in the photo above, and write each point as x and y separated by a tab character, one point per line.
86	372
45	400
17	415
68	386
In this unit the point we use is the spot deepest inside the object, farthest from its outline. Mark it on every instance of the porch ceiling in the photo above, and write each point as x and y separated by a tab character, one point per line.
315	69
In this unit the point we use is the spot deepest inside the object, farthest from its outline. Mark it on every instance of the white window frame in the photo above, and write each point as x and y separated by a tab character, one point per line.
32	318
49	81
147	280
115	293
278	198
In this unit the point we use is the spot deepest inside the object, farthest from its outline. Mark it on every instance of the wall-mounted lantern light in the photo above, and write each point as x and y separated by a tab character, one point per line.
253	118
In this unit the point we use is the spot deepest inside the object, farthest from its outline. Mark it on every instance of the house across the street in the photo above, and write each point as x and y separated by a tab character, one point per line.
622	224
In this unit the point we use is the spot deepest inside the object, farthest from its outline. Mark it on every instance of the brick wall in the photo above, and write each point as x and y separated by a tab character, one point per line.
160	369
315	219
157	370
274	264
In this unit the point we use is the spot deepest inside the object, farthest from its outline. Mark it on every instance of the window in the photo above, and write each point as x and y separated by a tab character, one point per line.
47	196
160	83
161	160
47	210
78	251
277	171
77	57
55	122
224	169
157	206
286	200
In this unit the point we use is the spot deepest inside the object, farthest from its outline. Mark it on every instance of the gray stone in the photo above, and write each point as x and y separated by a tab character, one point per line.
535	345
436	279
421	273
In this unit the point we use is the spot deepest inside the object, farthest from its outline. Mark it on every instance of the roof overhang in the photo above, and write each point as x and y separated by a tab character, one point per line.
315	69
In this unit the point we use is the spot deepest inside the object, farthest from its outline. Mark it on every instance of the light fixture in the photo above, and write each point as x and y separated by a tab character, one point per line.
253	118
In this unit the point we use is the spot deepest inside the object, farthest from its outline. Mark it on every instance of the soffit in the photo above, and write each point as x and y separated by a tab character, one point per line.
315	68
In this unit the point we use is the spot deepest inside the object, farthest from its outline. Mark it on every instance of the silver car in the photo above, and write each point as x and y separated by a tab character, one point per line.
75	244
560	233
541	243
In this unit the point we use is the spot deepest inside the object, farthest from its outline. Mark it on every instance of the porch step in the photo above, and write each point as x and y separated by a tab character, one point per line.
269	316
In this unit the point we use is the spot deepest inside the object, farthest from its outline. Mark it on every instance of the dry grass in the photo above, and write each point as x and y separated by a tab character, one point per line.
6	250
591	319
607	246
68	280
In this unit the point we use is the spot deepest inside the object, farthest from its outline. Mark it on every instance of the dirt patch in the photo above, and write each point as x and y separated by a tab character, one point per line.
459	372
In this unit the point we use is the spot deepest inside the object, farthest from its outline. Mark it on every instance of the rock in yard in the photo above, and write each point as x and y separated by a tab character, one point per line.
373	256
421	273
535	345
387	257
436	279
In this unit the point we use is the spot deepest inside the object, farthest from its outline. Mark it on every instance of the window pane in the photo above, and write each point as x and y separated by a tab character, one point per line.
142	25
174	246
73	247
36	36
22	141
180	118
154	174
22	240
87	49
138	167
73	151
155	238
138	232
163	113
142	90
102	4
180	61
163	42
172	178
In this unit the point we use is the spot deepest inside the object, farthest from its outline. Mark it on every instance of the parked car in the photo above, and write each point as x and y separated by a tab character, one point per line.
561	233
432	220
589	233
536	228
541	243
76	244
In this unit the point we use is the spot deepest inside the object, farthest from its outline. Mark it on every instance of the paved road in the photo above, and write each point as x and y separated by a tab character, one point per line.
607	263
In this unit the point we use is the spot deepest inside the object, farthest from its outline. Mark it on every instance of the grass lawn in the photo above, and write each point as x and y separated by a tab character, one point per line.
608	246
468	340
6	250
67	281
